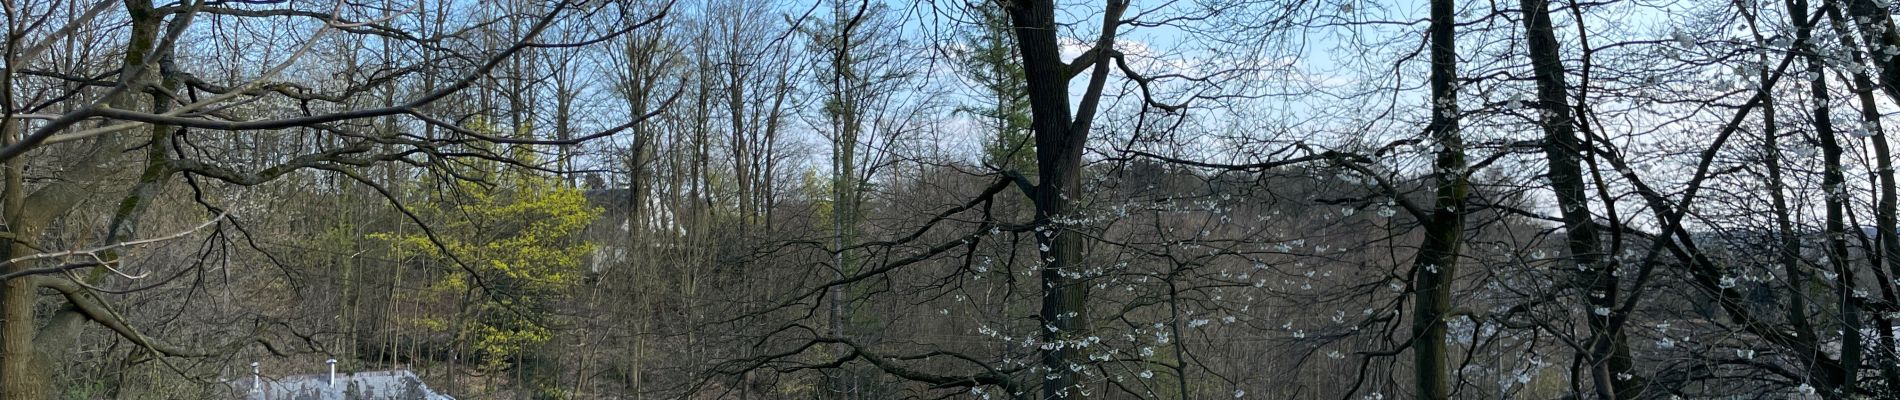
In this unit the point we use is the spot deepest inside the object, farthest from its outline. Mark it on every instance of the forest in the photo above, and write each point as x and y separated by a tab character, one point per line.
936	199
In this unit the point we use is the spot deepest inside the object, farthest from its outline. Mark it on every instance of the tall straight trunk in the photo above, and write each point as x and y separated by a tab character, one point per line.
1833	184
741	142
1788	251
564	94
1885	238
1060	137
846	87
18	377
1437	261
700	193
1834	191
1887	228
1788	247
1888	235
1608	352
768	154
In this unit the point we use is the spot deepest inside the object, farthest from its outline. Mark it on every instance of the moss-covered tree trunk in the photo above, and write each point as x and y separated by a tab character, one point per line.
24	362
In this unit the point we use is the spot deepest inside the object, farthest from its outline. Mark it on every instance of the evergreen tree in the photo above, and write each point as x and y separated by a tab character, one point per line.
989	58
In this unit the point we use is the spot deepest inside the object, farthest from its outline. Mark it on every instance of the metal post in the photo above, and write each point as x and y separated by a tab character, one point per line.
332	363
257	380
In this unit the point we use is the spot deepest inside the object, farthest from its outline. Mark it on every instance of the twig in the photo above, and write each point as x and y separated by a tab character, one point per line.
94	254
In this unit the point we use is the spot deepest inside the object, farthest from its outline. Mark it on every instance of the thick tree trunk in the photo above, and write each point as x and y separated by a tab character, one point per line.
19	379
1437	261
1059	142
22	368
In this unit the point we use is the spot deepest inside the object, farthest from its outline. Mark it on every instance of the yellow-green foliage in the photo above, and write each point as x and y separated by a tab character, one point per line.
518	239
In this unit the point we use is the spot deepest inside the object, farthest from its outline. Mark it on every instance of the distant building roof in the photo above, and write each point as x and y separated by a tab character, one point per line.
373	385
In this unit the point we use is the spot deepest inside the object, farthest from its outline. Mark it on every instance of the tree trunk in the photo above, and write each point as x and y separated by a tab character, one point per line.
845	90
1437	261
1059	145
1608	352
18	377
1788	251
1834	191
1885	236
23	372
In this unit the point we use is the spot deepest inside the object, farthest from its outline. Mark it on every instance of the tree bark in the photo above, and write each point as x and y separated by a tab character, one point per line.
1834	191
1886	243
1608	353
1060	137
18	377
1436	265
23	372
